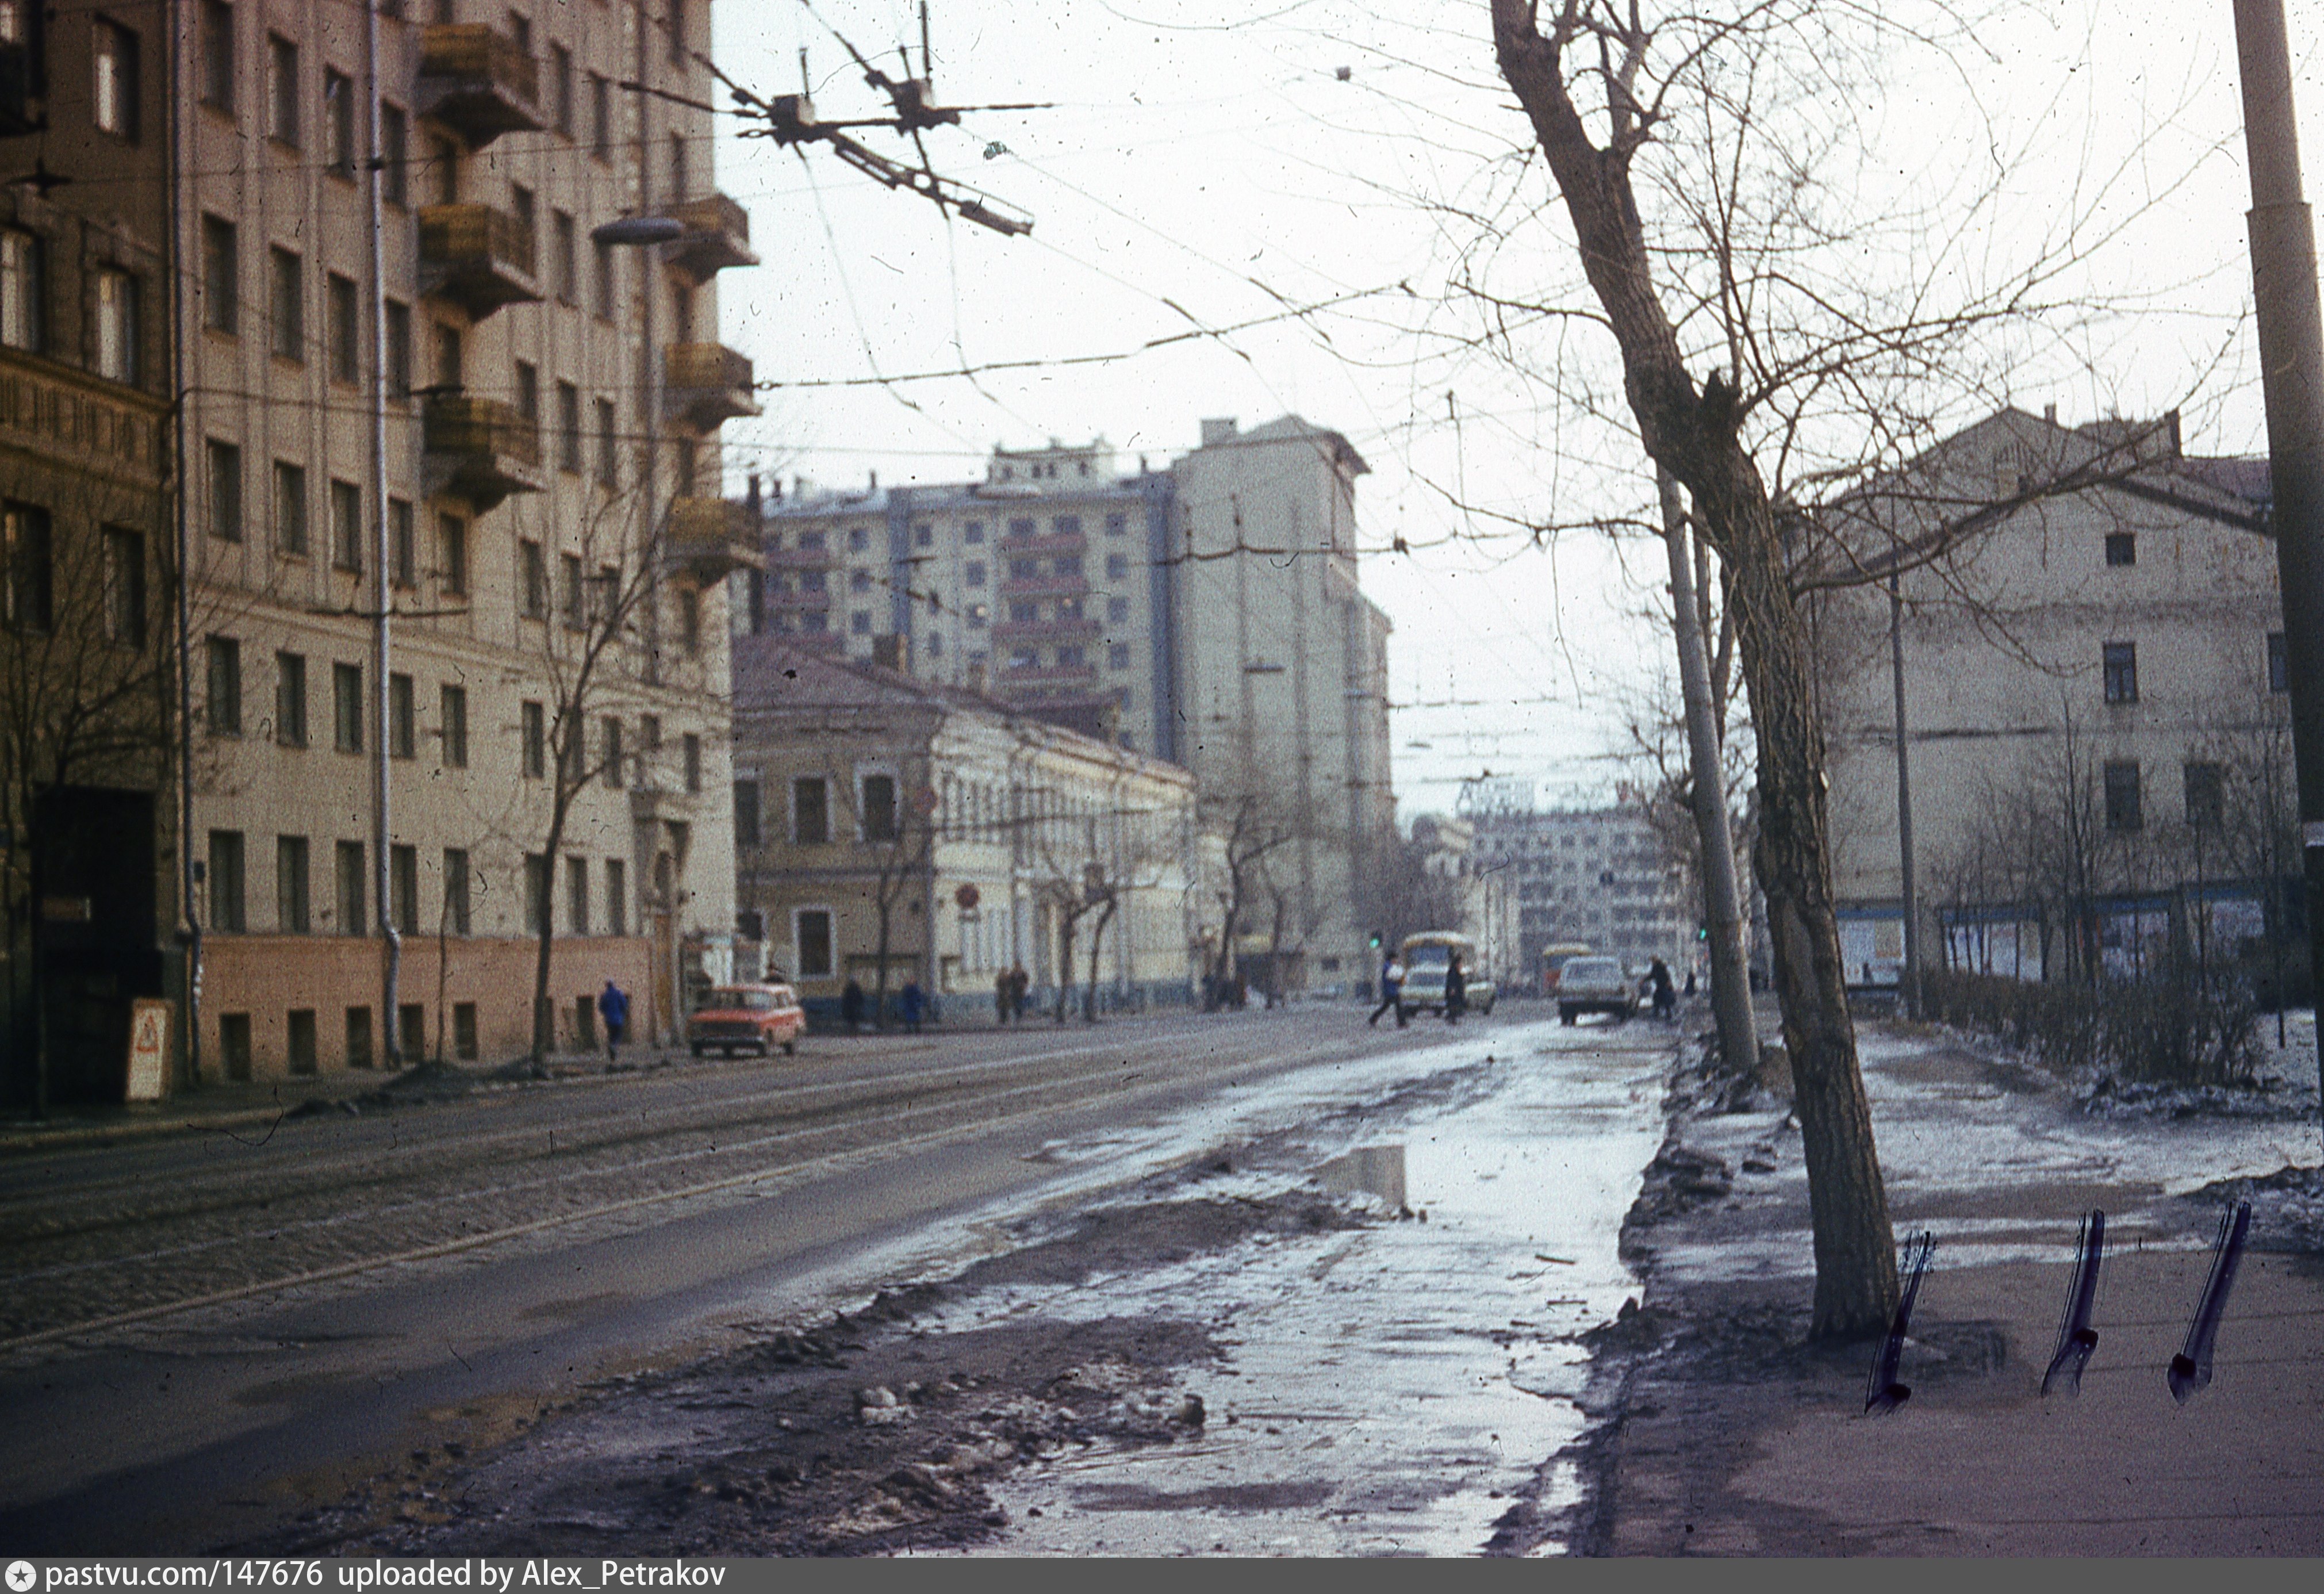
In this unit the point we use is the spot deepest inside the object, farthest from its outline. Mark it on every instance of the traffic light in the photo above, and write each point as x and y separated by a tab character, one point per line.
1702	932
1376	941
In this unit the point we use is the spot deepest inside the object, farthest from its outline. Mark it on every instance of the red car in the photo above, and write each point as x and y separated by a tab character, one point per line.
746	1017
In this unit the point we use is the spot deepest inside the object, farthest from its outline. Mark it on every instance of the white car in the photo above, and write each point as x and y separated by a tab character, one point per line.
1596	985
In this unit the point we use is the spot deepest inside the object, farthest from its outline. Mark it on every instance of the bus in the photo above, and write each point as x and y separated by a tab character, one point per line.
1554	957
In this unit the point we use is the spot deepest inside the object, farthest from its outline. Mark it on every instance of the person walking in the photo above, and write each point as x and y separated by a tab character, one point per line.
1658	983
909	1002
613	1008
1004	995
851	1005
1391	991
1019	985
1456	989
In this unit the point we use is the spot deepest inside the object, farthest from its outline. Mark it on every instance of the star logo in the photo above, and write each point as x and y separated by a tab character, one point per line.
20	1575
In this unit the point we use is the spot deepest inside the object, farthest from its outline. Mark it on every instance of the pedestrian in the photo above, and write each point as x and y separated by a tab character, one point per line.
1690	982
1004	995
1391	991
907	1002
1666	998
1456	987
613	1008
1019	984
851	1005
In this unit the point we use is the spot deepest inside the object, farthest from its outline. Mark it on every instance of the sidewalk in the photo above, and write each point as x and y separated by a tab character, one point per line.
1727	1437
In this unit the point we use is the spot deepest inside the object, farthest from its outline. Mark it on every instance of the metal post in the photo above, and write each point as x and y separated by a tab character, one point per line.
383	877
2292	376
1908	988
189	1071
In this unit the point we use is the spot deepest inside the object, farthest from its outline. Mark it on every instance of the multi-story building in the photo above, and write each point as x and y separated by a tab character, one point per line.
88	875
2095	702
426	382
1602	877
881	817
1208	614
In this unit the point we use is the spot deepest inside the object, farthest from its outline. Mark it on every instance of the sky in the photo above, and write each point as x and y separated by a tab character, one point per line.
1278	213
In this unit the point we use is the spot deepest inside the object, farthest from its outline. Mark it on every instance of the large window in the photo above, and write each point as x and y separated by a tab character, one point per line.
291	699
282	89
225	881
565	242
2121	660
617	898
350	873
878	811
221	275
402	718
533	735
218	54
346	363
346	707
116	326
124	585
536	893
613	726
810	810
452	554
569	428
225	491
346	526
113	106
456	889
453	707
746	812
532	579
27	568
403	544
560	89
224	705
290	508
811	928
576	896
398	319
339	122
2207	795
287	304
394	156
293	915
403	880
609	462
2122	795
23	293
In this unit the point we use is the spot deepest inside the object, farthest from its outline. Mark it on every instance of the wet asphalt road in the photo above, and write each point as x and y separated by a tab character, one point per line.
356	1278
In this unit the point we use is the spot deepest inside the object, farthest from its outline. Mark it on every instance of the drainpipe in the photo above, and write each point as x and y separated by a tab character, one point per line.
383	877
190	1066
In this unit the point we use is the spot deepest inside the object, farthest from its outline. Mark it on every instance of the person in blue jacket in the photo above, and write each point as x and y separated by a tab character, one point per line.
613	1008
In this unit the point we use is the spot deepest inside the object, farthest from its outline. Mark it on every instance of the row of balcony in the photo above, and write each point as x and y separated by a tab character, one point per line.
1044	586
1064	629
1026	675
1044	542
481	258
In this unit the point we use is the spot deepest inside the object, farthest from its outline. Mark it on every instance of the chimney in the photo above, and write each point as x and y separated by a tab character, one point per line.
1218	431
875	480
2050	413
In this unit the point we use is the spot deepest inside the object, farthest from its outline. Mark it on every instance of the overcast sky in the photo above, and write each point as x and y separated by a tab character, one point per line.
1195	176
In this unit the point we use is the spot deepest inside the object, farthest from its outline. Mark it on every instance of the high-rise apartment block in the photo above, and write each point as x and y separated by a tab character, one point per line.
1208	613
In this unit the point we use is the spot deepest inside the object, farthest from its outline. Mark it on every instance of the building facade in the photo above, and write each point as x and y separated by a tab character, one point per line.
1208	614
1600	877
892	830
2095	704
421	383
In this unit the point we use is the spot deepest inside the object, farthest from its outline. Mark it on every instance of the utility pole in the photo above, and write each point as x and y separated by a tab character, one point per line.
1908	988
2292	377
1731	981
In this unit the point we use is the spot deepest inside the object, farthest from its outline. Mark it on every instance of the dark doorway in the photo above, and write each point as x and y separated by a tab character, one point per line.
95	899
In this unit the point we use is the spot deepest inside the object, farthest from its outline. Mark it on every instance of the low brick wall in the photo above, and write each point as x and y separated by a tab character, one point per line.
253	986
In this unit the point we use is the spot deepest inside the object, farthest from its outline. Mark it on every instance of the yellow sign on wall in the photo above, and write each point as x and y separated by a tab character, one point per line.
149	1047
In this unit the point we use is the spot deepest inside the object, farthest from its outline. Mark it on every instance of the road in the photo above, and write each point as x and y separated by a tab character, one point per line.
200	1334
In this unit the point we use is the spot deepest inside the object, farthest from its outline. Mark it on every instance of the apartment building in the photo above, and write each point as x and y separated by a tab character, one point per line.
2095	701
88	671
1208	614
517	460
1601	877
881	816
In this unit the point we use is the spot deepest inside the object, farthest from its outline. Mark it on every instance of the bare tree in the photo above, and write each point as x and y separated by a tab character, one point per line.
1253	830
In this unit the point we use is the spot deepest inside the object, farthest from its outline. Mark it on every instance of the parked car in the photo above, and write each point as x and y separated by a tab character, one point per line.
1553	959
746	1017
1596	985
1426	955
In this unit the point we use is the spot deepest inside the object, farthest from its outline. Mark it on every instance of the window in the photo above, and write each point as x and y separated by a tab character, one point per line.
576	611
811	932
532	580
536	893
1066	525
1117	566
224	705
1071	656
923	536
452	707
291	699
973	532
403	726
403	544
689	621
810	812
452	540
1116	525
2121	549
1117	609
2122	808
27	568
860	622
298	1040
604	290
680	179
339	295
394	156
350	876
609	467
533	733
113	103
22	292
1117	656
465	1044
2121	672
601	117
859	539
346	526
225	491
691	755
576	896
560	88
282	61
116	326
613	727
879	810
569	428
218	54
449	363
617	898
974	573
568	256
456	891
528	392
346	707
746	812
225	881
860	581
444	170
403	880
221	275
290	508
340	124
124	585
288	309
398	318
292	915
2206	792
2279	664
520	204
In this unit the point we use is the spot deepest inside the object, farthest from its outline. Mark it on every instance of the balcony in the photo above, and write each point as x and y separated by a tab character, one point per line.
717	236
802	559
477	82
710	538
1068	629
1015	674
705	384
477	257
479	450
1052	542
1045	586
